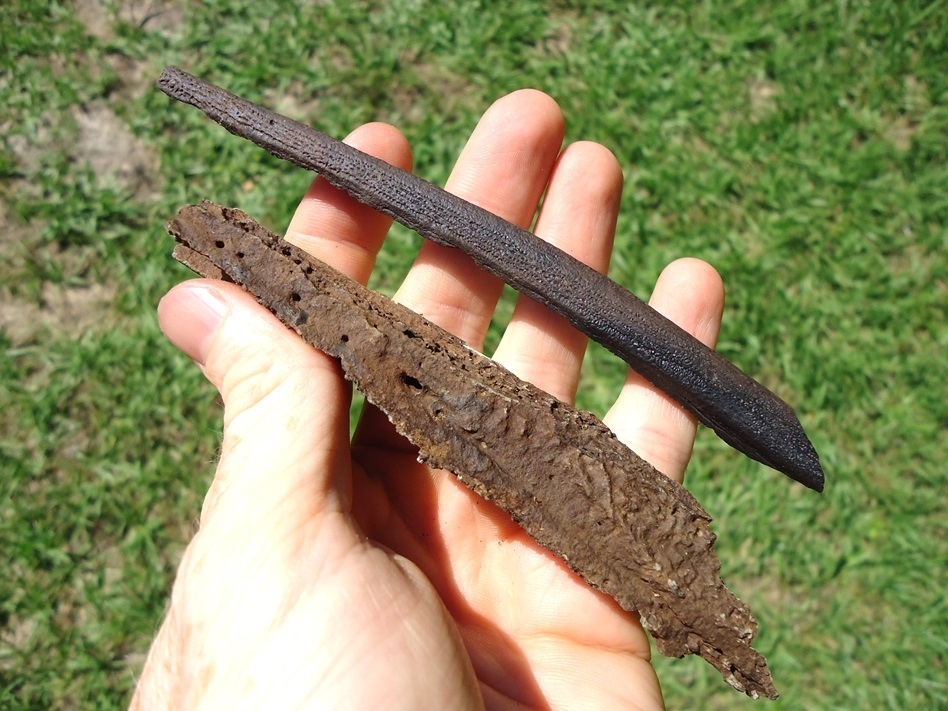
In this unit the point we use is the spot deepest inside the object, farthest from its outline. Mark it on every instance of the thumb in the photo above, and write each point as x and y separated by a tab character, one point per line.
285	452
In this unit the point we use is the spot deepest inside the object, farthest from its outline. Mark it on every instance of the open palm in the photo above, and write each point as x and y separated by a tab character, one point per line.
330	574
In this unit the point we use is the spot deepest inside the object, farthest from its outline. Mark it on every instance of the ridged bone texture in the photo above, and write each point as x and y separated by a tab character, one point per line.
559	472
743	412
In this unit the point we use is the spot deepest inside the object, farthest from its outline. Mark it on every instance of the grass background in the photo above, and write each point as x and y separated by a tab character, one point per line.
800	147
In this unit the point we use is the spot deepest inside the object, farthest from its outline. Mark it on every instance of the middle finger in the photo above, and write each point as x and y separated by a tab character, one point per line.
503	168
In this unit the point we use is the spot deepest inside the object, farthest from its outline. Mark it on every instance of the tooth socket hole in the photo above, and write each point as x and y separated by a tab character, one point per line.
412	382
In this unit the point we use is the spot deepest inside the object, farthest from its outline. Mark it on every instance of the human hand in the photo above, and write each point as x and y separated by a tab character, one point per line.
334	574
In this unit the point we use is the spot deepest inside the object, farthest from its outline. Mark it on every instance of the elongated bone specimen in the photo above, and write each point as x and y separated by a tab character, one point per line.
743	412
560	473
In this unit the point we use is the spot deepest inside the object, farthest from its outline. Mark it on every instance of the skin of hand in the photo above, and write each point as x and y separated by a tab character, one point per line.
336	574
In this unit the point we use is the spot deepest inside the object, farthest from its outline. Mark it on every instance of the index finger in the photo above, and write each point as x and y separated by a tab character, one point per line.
337	229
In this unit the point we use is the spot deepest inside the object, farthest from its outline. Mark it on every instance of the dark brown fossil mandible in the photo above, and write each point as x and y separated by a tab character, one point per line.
559	472
743	412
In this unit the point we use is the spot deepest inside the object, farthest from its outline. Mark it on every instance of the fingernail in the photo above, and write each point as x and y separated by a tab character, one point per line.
190	316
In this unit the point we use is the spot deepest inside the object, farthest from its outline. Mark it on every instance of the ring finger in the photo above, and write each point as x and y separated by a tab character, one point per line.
578	216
